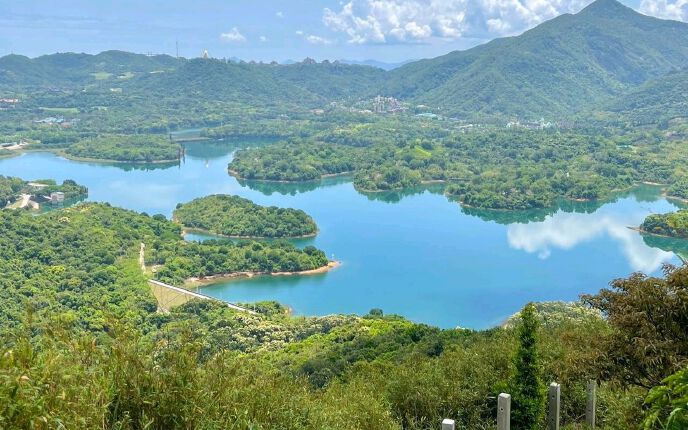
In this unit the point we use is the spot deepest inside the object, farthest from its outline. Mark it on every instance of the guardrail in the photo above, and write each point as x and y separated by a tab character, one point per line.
553	409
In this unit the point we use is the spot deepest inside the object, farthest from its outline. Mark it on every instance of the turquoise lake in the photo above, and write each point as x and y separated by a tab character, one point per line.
414	253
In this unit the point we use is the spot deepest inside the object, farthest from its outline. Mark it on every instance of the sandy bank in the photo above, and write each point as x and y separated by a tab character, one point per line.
213	279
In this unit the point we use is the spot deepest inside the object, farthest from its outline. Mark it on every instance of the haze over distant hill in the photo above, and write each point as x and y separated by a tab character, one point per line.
571	64
75	69
374	63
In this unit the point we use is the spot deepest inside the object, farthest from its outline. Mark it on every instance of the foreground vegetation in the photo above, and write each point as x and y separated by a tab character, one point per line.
235	216
74	306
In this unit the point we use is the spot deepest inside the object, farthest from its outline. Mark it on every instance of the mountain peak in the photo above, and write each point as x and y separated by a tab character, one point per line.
607	8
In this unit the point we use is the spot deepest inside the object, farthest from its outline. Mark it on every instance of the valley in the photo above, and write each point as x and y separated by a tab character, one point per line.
495	237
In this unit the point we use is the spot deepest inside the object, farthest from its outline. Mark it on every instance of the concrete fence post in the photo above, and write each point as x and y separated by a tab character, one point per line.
553	406
448	424
591	404
504	412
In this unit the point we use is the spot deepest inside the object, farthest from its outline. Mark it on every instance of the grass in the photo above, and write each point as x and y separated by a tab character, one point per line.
101	76
423	153
60	110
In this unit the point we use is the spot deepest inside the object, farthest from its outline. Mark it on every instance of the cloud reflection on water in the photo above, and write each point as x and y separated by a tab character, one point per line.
567	230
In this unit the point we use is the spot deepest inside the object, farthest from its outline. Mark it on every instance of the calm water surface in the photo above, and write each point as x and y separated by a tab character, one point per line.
414	253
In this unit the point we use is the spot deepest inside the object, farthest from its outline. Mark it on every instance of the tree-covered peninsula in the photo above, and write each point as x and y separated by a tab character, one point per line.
235	216
672	224
495	168
80	258
126	149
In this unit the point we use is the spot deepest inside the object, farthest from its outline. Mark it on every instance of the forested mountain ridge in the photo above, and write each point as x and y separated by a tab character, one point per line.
557	67
75	70
208	79
570	64
657	101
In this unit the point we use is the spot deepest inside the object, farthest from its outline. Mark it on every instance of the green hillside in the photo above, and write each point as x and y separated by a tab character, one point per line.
215	80
332	80
656	102
566	65
555	69
76	70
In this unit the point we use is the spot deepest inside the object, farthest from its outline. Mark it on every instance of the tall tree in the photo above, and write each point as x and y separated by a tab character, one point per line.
527	389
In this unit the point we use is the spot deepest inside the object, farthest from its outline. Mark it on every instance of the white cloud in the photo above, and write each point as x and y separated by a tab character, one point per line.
263	39
279	14
233	35
313	39
317	40
380	21
676	10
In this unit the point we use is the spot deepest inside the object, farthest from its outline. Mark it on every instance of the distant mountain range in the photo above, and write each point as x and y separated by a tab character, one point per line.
571	64
374	63
559	67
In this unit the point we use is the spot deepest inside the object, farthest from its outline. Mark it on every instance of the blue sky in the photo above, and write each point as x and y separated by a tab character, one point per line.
385	30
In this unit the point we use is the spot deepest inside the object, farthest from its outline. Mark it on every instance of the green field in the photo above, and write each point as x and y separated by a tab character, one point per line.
69	110
101	76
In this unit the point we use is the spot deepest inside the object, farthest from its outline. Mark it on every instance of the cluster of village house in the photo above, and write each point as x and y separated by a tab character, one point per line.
52	120
33	197
6	103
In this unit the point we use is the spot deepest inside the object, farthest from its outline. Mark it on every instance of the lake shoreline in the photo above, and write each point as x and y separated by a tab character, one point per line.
237	175
214	279
649	233
63	154
192	230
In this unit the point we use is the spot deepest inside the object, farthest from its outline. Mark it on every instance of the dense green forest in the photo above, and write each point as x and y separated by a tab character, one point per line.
671	224
10	188
133	149
236	216
183	260
293	162
78	261
487	168
75	307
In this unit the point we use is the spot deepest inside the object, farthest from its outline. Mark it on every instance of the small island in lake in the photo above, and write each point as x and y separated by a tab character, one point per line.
234	216
126	149
672	224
